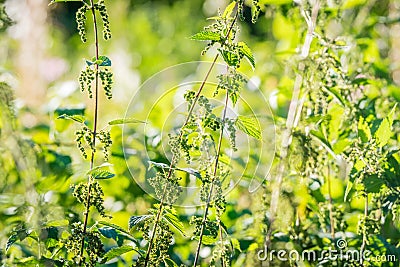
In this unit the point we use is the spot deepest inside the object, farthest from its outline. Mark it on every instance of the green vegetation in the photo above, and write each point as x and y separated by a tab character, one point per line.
200	133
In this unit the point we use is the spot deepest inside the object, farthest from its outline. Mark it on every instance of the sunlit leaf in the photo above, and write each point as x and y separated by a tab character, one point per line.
135	220
247	53
171	218
249	125
206	36
230	58
125	121
116	252
76	118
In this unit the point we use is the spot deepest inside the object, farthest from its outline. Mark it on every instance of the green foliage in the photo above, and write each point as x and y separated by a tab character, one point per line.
338	149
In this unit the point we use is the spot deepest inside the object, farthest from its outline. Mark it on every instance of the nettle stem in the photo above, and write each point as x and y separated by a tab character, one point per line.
291	122
162	203
170	171
208	203
94	133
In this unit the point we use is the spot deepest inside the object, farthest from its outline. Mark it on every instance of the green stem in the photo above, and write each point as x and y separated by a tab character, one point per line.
212	183
170	171
93	145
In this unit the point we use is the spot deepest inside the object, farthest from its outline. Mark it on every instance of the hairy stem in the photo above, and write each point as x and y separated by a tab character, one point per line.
291	122
95	112
212	182
170	171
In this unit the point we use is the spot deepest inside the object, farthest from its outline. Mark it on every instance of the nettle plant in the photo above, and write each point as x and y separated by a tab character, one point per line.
83	244
337	127
200	140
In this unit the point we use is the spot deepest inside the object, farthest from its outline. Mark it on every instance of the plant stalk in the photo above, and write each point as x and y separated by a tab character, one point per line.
212	184
170	171
291	122
95	112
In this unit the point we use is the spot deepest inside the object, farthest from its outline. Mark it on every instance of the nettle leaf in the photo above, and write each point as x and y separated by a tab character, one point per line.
364	132
103	61
125	121
246	51
135	220
228	12
102	174
122	233
384	132
116	252
170	263
191	171
235	244
206	36
171	218
249	125
76	118
373	184
230	58
157	164
70	111
18	235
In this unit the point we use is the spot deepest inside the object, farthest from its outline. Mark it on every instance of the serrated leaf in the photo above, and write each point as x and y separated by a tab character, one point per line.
171	218
206	36
384	132
101	174
76	118
235	244
124	121
243	47
135	220
229	10
116	252
230	58
249	125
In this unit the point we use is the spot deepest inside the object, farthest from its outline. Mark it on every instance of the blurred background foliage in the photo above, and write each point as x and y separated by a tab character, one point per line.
41	56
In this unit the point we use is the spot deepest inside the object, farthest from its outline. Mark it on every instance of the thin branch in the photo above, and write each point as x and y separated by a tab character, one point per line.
96	100
212	182
198	94
291	121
